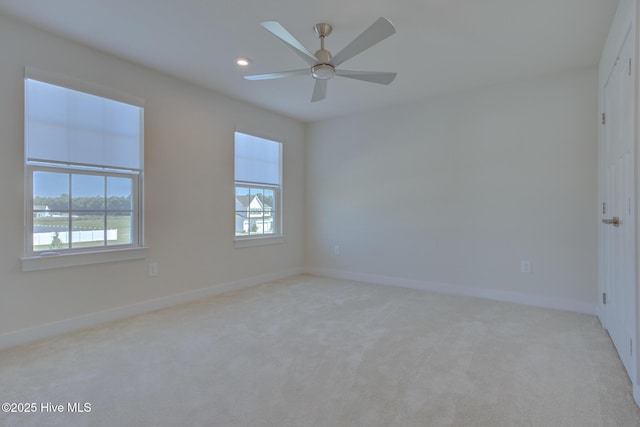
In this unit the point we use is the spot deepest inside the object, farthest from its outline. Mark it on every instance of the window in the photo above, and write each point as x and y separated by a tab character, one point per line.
84	168
258	189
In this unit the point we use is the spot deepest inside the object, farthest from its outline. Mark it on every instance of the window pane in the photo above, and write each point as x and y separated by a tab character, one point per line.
242	211
119	229
253	210
50	231
242	224
87	192
87	230
268	225
255	203
242	197
257	223
269	198
269	222
264	225
50	192
119	193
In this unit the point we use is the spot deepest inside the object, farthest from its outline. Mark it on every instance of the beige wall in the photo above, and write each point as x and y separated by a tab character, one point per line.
189	189
456	191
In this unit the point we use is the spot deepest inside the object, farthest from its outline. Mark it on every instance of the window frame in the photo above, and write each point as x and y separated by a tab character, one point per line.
277	236
66	257
275	222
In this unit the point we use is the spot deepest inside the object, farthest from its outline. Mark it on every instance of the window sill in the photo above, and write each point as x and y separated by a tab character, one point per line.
258	241
45	262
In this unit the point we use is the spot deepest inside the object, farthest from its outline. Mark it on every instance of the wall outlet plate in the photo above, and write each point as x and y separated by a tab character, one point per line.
153	269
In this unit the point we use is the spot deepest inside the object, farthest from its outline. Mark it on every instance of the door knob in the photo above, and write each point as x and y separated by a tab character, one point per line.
615	221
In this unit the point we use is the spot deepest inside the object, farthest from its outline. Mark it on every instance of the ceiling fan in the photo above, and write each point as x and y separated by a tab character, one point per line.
323	64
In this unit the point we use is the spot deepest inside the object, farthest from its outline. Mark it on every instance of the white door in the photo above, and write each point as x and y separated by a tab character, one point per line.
618	210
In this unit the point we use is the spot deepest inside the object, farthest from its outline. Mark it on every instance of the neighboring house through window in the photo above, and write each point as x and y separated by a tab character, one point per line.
258	188
84	167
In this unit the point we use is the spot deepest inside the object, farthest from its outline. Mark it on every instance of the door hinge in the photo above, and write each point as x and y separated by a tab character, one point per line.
629	66
604	119
604	208
630	346
604	298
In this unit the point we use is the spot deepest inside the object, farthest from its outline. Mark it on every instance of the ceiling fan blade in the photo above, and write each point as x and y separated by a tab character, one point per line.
279	75
379	77
319	90
280	32
378	31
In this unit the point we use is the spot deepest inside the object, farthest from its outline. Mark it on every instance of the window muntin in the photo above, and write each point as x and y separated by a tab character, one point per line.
258	171
83	156
256	211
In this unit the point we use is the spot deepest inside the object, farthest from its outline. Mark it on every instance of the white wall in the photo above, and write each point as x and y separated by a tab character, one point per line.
189	192
452	193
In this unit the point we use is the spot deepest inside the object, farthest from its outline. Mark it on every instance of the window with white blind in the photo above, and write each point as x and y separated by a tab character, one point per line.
258	189
84	171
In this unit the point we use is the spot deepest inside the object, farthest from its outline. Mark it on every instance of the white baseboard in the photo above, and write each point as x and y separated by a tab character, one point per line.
491	294
23	336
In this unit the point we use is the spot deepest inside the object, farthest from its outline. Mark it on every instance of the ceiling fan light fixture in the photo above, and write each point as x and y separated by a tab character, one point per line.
323	71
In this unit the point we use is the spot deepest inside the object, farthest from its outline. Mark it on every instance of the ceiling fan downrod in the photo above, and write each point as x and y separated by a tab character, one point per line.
324	70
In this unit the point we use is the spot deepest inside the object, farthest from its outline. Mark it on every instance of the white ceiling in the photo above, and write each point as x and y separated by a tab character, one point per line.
440	45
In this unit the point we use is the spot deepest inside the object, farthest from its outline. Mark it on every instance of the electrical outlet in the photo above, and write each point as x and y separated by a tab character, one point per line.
153	269
525	266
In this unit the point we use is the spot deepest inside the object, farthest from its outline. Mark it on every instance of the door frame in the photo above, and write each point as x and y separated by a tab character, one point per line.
616	306
625	23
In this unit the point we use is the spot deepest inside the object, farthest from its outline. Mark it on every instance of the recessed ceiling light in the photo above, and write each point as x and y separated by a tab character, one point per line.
242	62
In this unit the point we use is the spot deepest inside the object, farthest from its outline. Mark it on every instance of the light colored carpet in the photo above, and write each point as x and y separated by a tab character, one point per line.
309	351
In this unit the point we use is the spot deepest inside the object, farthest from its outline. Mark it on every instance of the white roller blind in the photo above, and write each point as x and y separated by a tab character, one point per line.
257	160
72	127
